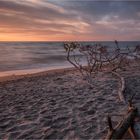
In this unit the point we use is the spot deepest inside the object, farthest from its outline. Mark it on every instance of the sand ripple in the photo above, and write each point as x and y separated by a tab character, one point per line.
58	106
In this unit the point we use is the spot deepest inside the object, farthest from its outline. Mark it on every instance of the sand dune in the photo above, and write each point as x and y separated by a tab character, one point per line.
59	105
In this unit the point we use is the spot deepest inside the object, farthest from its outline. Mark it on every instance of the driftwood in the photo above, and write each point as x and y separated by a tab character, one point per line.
127	124
122	86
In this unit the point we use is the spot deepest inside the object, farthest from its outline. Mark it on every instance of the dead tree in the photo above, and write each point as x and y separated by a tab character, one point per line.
91	59
86	59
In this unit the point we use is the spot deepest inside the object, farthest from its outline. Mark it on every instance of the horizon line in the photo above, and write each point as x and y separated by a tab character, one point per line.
71	41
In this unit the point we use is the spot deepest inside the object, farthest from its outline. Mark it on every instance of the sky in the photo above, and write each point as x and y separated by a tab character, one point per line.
69	20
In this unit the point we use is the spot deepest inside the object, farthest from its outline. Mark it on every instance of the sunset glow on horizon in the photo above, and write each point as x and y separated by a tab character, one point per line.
62	20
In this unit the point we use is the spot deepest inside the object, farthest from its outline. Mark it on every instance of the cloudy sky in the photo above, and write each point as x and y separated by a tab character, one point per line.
49	20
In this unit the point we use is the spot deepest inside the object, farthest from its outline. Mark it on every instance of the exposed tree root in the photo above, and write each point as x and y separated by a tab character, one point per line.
122	86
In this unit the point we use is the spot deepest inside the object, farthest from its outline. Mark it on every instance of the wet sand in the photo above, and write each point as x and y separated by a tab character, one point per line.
60	105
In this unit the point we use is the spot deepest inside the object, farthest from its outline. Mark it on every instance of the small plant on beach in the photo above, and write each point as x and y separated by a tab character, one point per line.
86	59
92	59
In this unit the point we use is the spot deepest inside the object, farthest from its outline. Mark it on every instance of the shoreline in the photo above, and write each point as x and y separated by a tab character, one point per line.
19	74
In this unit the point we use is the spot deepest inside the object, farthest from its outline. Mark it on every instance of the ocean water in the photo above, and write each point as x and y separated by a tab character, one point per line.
39	55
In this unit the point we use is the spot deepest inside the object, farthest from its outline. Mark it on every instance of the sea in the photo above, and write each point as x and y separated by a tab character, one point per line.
30	57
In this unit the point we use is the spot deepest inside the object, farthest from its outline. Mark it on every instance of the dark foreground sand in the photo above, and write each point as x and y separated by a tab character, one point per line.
59	105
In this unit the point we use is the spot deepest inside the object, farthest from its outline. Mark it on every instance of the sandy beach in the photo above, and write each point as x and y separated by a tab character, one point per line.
60	105
69	69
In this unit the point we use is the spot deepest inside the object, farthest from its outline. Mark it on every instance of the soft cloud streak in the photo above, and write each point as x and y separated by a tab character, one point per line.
65	20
